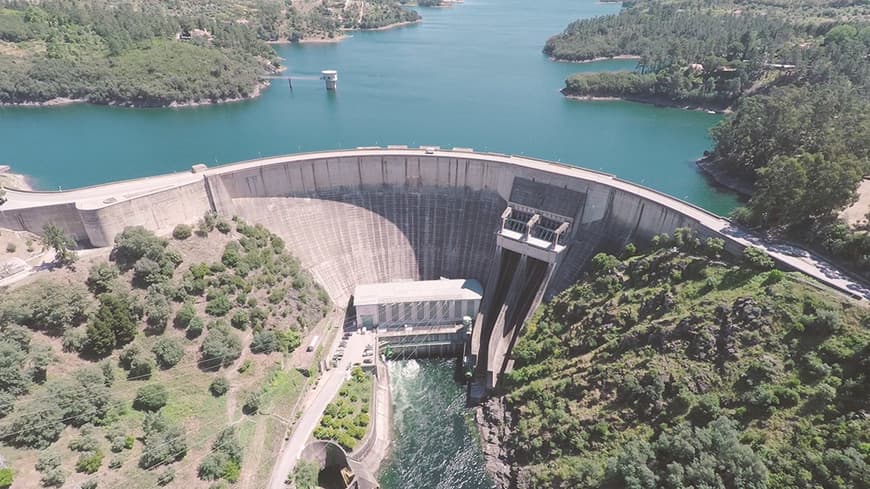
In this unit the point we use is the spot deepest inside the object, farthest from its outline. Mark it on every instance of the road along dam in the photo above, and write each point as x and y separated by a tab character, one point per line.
524	228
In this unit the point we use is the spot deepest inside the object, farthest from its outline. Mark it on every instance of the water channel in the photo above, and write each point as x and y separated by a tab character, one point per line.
471	76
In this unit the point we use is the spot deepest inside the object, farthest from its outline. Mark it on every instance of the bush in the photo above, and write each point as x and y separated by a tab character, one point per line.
221	347
240	320
168	352
140	368
774	277
6	477
166	477
53	477
182	232
151	397
116	462
102	277
219	306
164	442
90	483
185	314
10	247
89	463
252	402
194	329
84	443
223	226
757	258
74	340
219	386
264	342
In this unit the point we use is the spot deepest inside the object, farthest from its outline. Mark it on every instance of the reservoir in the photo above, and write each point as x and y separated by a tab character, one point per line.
470	76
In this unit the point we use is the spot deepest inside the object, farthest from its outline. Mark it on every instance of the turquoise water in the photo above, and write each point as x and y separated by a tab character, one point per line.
435	443
471	76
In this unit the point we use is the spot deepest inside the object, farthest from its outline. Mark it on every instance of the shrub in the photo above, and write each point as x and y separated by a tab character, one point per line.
252	402
264	342
74	340
774	277
245	366
194	329
757	258
219	386
157	309
89	463
53	477
102	277
185	314
168	352
166	477
223	226
240	320
221	347
289	340
182	232
84	443
629	250
219	306
151	397
116	462
10	248
140	368
164	442
6	477
90	483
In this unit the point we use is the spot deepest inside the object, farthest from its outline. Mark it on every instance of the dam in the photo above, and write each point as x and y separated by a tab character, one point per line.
524	228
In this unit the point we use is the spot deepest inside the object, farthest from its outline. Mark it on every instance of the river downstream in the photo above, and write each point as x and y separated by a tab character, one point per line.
435	438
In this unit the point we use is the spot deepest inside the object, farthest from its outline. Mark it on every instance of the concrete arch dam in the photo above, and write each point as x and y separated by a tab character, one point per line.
525	228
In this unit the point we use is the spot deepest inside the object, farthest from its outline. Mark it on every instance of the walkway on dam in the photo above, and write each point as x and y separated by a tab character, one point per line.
108	194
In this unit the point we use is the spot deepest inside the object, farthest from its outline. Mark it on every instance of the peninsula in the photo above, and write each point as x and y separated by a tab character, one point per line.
794	79
157	54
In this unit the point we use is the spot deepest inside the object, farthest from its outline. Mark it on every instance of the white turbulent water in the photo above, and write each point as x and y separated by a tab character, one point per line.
434	439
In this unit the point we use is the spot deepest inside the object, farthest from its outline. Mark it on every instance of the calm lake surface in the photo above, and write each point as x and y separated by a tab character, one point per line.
471	76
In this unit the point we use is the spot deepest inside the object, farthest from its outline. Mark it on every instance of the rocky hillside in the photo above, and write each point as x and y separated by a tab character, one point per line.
681	368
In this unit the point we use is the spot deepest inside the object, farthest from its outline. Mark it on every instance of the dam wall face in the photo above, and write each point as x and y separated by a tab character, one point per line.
376	218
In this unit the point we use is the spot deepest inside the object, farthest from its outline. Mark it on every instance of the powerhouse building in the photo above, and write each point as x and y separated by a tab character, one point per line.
422	303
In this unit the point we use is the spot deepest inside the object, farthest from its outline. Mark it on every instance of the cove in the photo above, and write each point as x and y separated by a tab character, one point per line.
470	76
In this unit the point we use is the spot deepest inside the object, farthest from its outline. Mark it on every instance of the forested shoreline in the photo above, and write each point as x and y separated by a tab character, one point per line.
679	367
795	79
157	54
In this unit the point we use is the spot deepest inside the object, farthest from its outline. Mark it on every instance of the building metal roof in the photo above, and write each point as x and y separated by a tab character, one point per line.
421	291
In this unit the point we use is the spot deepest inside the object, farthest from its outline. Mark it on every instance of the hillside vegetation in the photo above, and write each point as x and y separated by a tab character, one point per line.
797	76
155	366
156	52
681	368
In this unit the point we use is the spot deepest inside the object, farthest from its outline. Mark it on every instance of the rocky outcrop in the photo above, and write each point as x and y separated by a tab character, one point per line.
494	423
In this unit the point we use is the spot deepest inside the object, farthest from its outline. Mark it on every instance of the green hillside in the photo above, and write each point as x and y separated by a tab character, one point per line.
678	368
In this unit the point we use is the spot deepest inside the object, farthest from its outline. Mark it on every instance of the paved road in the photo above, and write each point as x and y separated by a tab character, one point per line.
102	195
315	404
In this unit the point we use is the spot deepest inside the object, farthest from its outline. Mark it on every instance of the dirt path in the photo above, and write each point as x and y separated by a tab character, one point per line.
856	215
254	454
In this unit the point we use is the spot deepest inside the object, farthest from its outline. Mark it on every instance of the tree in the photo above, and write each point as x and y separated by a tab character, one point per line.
54	237
164	442
151	397
114	324
221	347
168	352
